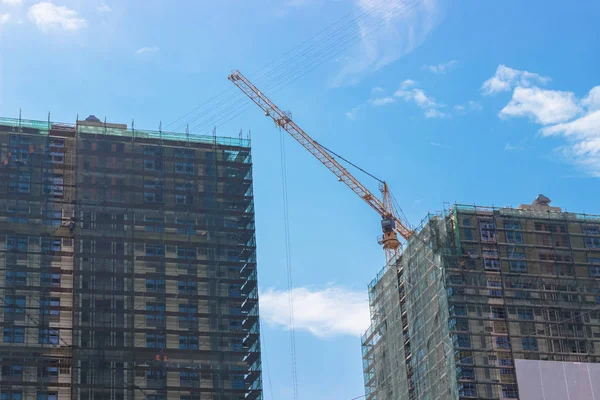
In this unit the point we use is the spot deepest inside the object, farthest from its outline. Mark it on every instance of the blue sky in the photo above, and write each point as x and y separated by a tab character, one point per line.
453	101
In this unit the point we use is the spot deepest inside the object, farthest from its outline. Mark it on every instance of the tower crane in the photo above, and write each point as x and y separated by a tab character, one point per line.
392	224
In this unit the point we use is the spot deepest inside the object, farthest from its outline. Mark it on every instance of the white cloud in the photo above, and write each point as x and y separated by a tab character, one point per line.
324	313
147	50
377	90
440	68
388	34
469	106
352	114
104	8
592	100
411	94
12	2
408	83
49	16
563	116
507	78
383	101
4	18
542	106
433	113
417	96
510	147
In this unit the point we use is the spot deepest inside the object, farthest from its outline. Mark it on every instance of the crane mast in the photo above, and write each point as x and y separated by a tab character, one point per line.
392	225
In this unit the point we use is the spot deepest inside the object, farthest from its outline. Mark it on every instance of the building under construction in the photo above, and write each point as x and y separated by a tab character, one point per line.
128	264
477	288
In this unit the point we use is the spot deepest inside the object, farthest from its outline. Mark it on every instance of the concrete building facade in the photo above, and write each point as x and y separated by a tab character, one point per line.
127	264
477	288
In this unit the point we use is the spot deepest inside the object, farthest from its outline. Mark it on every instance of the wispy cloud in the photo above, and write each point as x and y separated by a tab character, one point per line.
510	147
469	106
12	2
48	16
4	18
440	68
377	90
411	94
433	113
147	50
383	101
388	34
507	78
352	114
329	312
104	8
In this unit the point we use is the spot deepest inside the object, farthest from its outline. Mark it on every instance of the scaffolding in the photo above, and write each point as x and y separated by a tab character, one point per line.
128	266
483	286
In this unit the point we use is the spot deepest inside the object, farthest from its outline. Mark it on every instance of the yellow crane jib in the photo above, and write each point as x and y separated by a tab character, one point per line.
391	224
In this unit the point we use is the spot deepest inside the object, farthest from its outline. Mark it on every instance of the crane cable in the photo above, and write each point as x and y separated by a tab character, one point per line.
288	259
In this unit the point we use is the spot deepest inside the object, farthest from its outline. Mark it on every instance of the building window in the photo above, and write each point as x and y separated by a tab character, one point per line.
14	304
467	221
155	311
237	381
591	230
491	264
509	392
235	325
236	344
155	340
188	342
155	375
505	362
154	224
47	396
11	395
488	230
459	309
186	253
150	197
12	370
48	336
468	234
189	376
50	306
190	312
153	191
468	390
467	373
17	278
525	313
184	199
592	242
234	290
502	342
54	186
498	313
154	250
155	284
51	245
186	226
155	397
189	397
463	341
184	153
187	286
529	344
14	334
514	237
497	292
49	279
19	182
16	243
17	214
184	167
